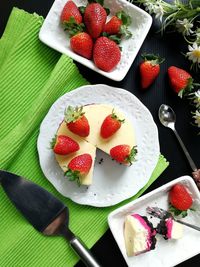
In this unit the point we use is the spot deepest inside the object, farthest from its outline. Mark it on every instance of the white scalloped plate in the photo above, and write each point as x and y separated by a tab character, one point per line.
112	183
53	35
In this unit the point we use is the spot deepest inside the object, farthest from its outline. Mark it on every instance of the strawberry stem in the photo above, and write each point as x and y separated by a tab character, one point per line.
154	59
73	176
115	117
132	155
73	114
53	142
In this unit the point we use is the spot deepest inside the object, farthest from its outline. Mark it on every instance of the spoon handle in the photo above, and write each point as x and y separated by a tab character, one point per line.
191	162
189	225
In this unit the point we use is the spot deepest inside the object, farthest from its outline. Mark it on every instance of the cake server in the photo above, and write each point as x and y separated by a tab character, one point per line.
161	213
168	118
45	212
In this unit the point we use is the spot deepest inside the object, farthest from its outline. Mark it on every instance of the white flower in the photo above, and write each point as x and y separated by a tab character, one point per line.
159	11
194	53
184	26
197	98
197	118
149	7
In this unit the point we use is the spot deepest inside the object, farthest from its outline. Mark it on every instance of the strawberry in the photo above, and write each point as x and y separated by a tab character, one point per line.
123	154
180	80
76	121
149	69
106	54
95	18
78	167
69	11
180	199
113	25
110	125
64	145
82	44
118	25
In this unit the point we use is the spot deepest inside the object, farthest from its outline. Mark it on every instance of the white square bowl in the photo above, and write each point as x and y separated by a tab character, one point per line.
53	35
167	252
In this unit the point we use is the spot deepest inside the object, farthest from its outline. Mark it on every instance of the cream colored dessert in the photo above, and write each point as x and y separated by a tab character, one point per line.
170	229
95	114
139	235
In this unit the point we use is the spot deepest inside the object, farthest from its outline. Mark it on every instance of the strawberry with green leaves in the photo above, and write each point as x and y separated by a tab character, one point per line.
94	19
110	125
123	154
117	27
64	145
180	200
180	80
76	121
71	19
149	69
78	167
82	44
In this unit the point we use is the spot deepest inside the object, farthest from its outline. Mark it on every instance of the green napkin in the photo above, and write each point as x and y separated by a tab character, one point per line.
32	77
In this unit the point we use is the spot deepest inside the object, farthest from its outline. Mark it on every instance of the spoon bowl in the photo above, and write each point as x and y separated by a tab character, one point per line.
167	116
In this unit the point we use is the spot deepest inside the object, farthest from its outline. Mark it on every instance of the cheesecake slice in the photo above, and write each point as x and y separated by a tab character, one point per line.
139	235
85	147
170	229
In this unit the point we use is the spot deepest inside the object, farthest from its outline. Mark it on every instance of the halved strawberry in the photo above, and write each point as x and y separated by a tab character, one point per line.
110	125
78	167
123	154
76	121
64	145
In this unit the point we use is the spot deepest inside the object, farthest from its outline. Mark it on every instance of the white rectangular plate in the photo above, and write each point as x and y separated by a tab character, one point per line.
53	35
167	252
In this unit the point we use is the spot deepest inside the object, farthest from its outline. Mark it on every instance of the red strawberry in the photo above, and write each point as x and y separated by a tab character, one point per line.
149	69
110	125
70	10
95	18
64	145
180	198
82	44
118	24
180	80
78	167
76	121
113	25
106	54
123	154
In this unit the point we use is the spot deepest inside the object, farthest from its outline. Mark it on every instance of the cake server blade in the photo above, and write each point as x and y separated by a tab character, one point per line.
46	213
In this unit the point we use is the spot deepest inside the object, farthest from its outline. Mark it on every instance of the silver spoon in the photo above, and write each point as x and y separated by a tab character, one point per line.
168	118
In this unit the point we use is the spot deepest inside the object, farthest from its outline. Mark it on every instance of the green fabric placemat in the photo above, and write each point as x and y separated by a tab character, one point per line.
32	77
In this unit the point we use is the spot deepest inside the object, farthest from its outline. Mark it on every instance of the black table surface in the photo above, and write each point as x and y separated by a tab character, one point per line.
170	47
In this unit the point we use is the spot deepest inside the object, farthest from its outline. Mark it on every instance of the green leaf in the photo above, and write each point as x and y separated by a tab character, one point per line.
107	11
115	117
82	9
154	59
73	114
72	27
53	142
125	32
125	18
73	176
178	212
132	156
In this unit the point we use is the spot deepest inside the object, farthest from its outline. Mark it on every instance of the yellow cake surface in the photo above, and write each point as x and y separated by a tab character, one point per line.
96	113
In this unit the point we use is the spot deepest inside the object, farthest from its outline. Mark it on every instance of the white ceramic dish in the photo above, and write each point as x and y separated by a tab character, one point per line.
167	253
112	182
53	35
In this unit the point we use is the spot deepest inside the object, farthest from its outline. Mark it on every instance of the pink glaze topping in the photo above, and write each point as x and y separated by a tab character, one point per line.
145	225
169	225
